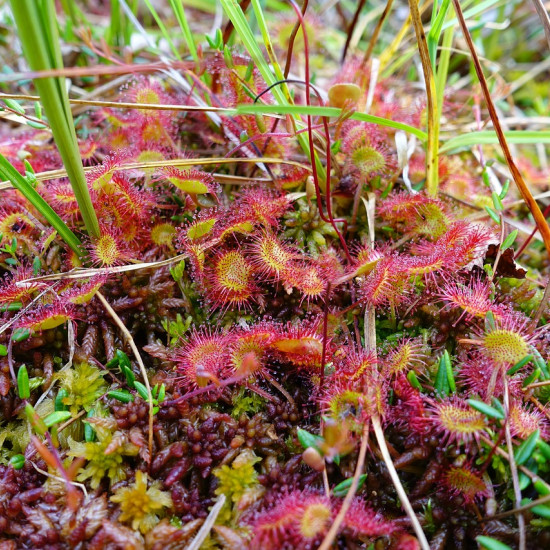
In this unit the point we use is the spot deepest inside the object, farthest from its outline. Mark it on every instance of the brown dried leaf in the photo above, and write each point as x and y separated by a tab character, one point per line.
231	540
157	350
38	519
167	537
117	441
92	512
138	439
507	267
122	537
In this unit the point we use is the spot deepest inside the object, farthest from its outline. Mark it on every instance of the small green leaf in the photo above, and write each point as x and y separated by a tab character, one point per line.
36	266
497	202
142	390
37	110
211	42
450	374
20	334
37	125
540	363
56	417
122	395
520	364
491	544
111	364
413	380
524	481
178	270
129	375
525	450
307	439
3	350
509	240
35	421
492	214
58	403
28	167
14	105
441	384
541	510
23	382
162	393
341	490
532	377
89	432
249	71
504	191
541	487
17	461
485	409
544	448
123	359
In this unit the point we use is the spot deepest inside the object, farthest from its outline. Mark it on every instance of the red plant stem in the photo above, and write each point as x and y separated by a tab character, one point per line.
291	41
205	389
311	148
351	28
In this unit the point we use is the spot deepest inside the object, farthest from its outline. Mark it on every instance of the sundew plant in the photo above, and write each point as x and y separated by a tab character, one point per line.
274	275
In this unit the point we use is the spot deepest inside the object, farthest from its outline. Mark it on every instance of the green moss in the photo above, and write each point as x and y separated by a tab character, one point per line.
105	456
84	384
248	404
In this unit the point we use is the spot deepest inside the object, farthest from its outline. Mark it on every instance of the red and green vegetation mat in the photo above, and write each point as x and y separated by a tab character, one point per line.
269	289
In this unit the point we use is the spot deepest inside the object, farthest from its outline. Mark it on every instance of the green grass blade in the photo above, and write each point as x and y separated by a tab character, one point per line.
179	12
163	29
235	13
314	110
472	12
258	12
435	29
488	137
8	172
37	28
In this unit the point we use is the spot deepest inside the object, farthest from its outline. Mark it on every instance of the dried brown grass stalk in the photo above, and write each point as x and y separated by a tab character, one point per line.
518	178
128	336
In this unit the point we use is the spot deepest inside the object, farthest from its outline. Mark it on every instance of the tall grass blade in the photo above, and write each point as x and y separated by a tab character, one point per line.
8	172
179	12
37	28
